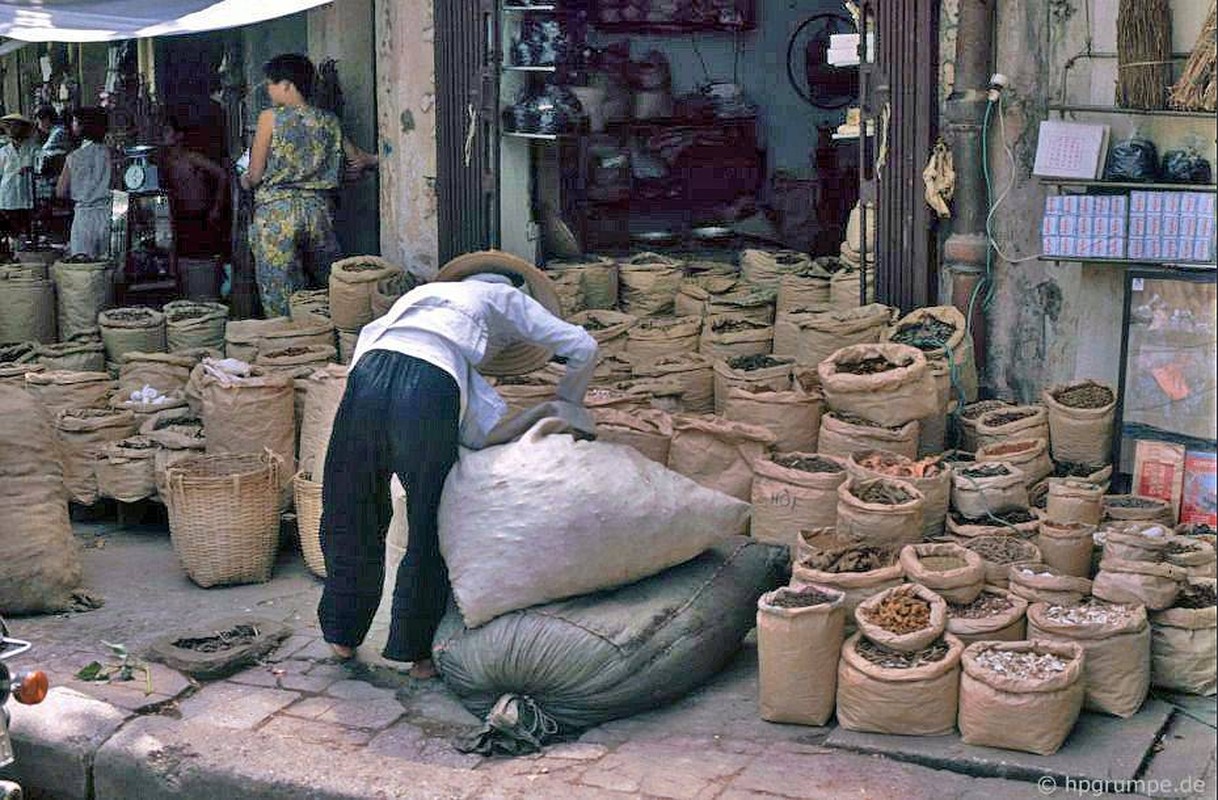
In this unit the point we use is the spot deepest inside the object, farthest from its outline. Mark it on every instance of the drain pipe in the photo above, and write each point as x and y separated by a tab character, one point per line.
966	248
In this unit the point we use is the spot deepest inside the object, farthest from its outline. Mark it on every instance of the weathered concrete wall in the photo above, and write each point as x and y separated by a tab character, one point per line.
405	95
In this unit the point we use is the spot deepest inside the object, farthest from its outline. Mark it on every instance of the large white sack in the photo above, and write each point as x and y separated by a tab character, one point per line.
548	517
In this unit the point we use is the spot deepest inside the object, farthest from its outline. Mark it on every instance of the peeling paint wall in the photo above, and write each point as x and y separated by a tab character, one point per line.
405	86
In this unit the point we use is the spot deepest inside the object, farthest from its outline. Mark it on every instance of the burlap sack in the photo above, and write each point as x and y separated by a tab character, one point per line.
1004	626
1184	647
77	356
803	287
950	571
792	416
888	525
126	470
845	287
1153	585
787	500
17	353
647	430
930	476
649	283
1073	500
1081	435
189	325
907	642
1066	546
694	373
976	495
608	328
1116	658
797	654
923	328
14	374
179	432
325	392
966	432
352	282
1136	541
932	429
82	289
1031	714
921	701
999	553
145	411
717	453
56	390
1195	556
1000	425
598	397
244	338
856	586
309	306
766	269
821	335
39	561
666	394
841	436
250	415
697	289
662	336
132	330
772	373
896	396
787	328
292	359
81	433
1138	508
27	309
744	302
1040	583
165	372
585	285
961	530
611	369
1030	456
726	335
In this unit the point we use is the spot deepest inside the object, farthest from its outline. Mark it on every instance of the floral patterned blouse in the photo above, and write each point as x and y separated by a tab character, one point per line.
306	153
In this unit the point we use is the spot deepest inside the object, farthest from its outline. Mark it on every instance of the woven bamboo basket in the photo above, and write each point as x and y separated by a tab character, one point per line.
224	516
308	521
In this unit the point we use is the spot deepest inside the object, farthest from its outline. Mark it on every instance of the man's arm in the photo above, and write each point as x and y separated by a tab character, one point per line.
538	326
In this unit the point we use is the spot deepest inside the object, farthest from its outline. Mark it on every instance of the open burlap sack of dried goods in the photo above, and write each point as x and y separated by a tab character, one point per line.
126	469
165	372
766	268
695	291
1021	695
1021	522
14	374
1011	424
1074	500
1030	456
81	355
1153	585
39	561
57	390
593	658
880	511
799	638
996	615
189	325
1195	556
132	330
910	694
584	285
1081	418
146	403
856	569
694	373
292	359
745	301
1184	641
930	476
309	306
903	619
717	453
82	289
1040	583
179	432
352	282
792	416
18	353
843	434
726	336
794	491
1136	541
1091	473
1066	546
932	429
608	328
1116	645
249	415
941	333
81	433
664	393
888	384
647	430
657	337
985	489
648	284
787	328
592	536
999	553
27	309
1138	508
325	392
244	338
760	371
846	285
388	290
966	422
804	286
821	335
950	571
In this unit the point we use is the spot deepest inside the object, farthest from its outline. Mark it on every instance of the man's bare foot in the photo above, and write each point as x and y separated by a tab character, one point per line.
342	652
423	670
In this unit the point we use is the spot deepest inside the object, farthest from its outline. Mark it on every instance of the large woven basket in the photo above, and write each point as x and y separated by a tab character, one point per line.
224	516
308	521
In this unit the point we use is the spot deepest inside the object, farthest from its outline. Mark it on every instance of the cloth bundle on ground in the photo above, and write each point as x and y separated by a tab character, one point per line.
548	517
595	658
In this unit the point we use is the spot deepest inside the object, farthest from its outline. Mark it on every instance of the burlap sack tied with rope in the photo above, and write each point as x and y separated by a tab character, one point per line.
352	282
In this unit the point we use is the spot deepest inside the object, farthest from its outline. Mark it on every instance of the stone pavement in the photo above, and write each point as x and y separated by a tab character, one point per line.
299	725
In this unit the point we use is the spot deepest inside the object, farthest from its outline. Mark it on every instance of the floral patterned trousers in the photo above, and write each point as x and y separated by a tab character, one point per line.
293	243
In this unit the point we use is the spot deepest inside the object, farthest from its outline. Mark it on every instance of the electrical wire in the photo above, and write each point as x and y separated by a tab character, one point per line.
1002	196
698	52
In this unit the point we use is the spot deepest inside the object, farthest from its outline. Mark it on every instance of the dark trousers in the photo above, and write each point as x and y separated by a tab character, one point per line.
399	415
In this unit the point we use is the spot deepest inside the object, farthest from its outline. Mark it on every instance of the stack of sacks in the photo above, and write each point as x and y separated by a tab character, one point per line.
353	284
845	287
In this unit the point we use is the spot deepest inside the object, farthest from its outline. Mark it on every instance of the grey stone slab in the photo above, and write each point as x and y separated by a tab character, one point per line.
232	705
404	740
316	732
256	676
998	789
1100	747
1181	767
167	685
352	713
157	757
290	647
359	690
1202	709
673	769
55	741
437	704
832	776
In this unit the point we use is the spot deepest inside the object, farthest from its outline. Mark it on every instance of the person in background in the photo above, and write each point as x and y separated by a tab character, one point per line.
53	146
413	394
198	187
17	175
297	161
86	179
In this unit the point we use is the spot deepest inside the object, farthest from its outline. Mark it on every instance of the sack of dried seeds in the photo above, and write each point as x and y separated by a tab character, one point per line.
880	511
1153	585
905	618
996	615
910	694
950	571
799	636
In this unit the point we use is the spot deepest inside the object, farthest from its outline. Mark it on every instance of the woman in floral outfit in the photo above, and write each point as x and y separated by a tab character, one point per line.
296	163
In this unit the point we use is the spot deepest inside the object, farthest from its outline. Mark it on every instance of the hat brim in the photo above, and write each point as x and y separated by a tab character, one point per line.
520	358
17	118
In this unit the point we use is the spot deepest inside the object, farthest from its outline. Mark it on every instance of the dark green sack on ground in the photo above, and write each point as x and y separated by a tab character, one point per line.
611	654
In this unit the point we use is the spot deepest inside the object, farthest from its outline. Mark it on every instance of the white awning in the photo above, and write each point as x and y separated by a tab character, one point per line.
107	20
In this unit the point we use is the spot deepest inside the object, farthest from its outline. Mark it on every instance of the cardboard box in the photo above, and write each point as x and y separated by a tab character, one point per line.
1158	471
1199	503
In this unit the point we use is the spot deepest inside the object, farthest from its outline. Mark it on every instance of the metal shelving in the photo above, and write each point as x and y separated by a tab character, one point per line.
1155	187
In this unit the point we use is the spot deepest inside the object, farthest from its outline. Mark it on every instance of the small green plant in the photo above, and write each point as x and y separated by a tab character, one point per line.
123	667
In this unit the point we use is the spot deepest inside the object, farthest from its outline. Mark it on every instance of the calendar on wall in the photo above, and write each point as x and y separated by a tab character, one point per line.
1070	150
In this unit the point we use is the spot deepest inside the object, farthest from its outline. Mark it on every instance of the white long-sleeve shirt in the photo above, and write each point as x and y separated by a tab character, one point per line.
458	326
16	178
